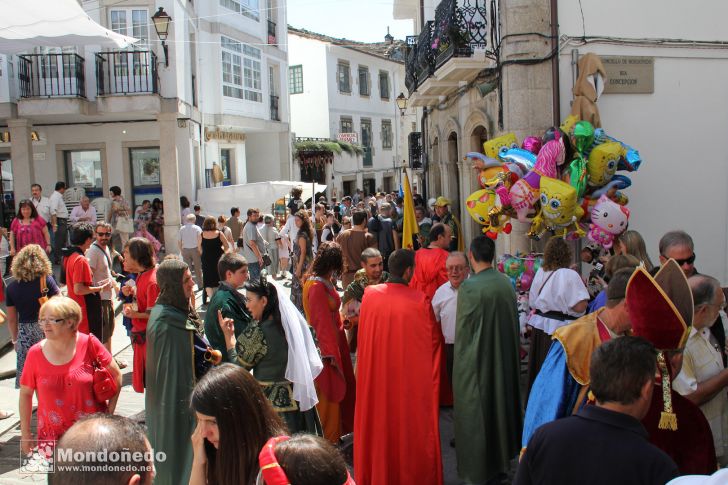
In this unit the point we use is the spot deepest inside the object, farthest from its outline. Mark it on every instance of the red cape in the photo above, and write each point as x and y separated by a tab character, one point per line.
430	271
691	446
396	424
429	275
336	381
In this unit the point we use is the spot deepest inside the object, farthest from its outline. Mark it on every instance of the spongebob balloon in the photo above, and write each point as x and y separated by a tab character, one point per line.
492	147
480	204
603	162
559	210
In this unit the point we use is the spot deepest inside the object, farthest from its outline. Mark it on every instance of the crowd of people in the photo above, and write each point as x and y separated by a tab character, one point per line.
374	340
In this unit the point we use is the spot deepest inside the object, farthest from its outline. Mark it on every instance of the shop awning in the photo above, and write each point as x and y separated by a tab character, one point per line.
26	24
219	200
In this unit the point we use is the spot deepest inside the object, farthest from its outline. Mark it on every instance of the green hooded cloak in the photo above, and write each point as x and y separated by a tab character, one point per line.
488	416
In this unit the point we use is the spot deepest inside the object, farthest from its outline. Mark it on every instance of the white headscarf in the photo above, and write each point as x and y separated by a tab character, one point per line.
304	362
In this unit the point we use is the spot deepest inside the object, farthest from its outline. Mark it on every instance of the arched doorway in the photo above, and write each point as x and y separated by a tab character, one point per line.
435	186
477	138
453	175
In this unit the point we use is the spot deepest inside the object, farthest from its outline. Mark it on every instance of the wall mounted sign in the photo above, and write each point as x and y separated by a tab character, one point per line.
348	137
226	136
629	75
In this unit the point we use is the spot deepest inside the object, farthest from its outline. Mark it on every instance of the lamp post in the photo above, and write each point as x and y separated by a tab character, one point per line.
161	24
402	105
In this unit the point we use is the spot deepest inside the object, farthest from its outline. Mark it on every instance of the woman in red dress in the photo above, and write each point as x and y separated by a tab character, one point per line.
59	370
335	385
139	259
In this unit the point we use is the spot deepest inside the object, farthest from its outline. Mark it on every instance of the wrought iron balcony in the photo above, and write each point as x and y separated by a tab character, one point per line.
425	62
51	75
272	38
126	72
460	27
274	115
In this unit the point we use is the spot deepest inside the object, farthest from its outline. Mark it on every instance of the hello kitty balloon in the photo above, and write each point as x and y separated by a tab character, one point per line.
608	220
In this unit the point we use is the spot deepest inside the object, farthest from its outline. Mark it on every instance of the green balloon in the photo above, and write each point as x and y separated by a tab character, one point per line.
583	136
577	175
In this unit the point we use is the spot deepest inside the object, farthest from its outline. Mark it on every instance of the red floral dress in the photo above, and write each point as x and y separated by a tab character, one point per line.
65	392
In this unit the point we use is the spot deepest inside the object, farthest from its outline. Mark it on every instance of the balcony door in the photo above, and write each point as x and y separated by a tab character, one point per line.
130	69
366	141
58	71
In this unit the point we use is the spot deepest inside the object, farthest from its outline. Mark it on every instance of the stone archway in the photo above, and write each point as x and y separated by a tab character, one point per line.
452	190
435	187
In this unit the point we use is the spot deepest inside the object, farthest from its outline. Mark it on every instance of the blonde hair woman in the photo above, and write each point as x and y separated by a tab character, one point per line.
32	280
59	370
631	243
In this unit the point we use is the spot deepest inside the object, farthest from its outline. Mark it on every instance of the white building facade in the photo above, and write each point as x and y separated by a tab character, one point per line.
153	124
345	88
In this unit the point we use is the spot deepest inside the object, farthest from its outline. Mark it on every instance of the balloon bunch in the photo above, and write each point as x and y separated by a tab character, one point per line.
564	182
520	269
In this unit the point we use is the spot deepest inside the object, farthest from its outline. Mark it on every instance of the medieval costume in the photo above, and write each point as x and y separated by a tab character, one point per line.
232	304
396	429
335	384
170	375
561	386
660	310
351	304
430	272
284	360
486	377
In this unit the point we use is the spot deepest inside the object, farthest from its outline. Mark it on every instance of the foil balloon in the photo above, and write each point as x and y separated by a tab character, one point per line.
525	281
524	193
532	143
492	147
602	163
609	220
513	267
481	205
559	210
578	175
569	123
523	159
583	135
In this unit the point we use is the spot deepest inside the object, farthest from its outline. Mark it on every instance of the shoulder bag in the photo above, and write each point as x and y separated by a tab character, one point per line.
104	385
43	290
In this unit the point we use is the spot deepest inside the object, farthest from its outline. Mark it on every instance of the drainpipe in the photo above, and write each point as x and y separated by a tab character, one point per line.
555	62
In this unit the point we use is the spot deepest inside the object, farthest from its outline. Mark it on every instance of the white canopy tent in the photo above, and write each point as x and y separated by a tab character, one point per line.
26	24
219	200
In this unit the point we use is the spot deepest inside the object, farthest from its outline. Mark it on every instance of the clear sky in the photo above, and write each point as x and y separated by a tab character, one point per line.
362	20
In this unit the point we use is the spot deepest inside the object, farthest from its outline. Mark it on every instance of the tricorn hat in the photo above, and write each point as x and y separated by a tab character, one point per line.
661	310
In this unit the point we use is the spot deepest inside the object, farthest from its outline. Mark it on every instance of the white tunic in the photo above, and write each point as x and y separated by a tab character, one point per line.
560	293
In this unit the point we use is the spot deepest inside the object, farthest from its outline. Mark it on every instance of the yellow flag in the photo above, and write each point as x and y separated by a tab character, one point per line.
409	225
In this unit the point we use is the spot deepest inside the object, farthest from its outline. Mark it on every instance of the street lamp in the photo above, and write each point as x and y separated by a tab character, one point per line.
401	103
161	24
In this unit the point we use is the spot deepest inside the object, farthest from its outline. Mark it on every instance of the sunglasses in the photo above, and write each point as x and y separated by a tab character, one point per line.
689	260
43	321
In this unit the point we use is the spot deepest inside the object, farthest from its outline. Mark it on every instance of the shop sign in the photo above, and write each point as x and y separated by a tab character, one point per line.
629	75
348	137
5	136
226	136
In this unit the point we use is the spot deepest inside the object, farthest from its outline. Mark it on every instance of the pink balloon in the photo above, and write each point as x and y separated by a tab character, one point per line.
532	144
526	280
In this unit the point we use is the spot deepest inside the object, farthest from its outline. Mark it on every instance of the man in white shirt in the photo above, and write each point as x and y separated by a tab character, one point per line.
99	258
42	204
188	242
703	378
59	221
84	212
445	302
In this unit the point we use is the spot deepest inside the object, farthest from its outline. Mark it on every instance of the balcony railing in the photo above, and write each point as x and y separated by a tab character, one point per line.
126	72
272	38
460	27
51	75
274	115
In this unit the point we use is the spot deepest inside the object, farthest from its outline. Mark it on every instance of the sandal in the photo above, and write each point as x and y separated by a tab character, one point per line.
122	363
6	414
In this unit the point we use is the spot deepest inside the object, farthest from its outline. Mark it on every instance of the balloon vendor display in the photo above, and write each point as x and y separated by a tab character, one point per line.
564	183
521	270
